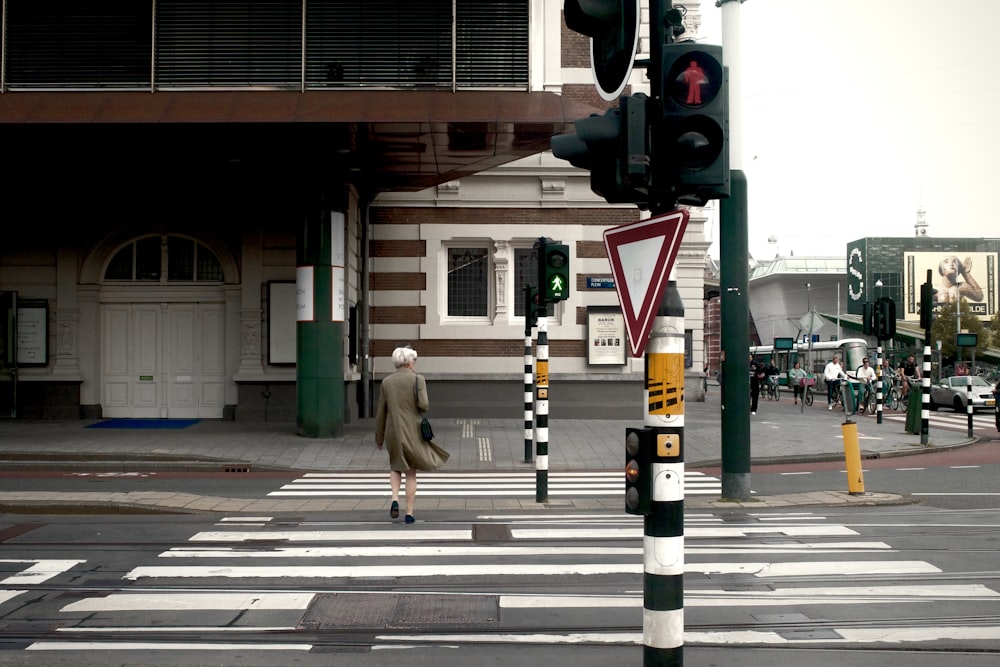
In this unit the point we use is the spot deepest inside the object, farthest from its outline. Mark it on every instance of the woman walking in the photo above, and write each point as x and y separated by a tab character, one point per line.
402	398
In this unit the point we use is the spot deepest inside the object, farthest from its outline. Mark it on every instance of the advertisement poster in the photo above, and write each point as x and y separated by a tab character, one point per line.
605	336
967	275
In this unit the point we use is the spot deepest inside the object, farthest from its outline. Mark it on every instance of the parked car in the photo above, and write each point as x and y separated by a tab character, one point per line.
953	392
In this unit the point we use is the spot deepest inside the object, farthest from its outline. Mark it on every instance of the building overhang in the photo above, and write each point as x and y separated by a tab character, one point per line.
380	140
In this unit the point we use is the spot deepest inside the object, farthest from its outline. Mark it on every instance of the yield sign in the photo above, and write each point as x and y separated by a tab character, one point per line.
642	254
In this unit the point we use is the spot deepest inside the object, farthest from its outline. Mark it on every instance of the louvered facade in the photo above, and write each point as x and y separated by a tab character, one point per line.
285	44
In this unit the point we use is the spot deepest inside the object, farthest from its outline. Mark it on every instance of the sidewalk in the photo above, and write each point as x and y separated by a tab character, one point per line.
780	432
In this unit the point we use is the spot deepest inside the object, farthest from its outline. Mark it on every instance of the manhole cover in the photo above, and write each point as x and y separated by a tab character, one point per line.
355	611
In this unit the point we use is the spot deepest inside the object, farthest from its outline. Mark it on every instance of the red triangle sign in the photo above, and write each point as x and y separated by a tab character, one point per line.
642	254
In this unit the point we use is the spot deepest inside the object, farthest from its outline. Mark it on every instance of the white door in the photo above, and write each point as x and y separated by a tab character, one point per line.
163	360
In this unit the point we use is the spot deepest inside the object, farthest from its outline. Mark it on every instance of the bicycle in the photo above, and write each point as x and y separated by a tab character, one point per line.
771	388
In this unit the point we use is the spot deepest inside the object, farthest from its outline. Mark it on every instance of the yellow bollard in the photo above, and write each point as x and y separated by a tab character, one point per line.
852	454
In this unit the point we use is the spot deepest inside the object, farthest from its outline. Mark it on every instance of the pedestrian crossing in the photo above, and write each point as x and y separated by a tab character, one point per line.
270	575
491	484
951	421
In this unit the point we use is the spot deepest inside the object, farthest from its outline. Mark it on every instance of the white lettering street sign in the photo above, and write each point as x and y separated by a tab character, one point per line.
642	254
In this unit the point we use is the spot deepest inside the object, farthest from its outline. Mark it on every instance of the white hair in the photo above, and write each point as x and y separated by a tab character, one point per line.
402	356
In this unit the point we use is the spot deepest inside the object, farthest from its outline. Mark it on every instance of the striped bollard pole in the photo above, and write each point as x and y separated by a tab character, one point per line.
968	404
530	322
925	391
663	527
529	395
542	413
878	392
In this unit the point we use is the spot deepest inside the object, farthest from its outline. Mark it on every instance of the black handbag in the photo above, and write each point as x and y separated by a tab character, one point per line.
426	432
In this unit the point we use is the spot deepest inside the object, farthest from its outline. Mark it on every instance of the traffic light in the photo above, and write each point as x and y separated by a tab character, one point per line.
886	318
531	307
691	141
868	319
639	444
926	305
554	274
614	146
613	26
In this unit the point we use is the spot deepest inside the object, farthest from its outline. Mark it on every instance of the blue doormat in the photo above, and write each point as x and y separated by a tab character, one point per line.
144	423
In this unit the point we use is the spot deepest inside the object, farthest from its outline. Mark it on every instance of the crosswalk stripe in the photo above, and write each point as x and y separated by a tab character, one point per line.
499	484
777	597
635	566
949	421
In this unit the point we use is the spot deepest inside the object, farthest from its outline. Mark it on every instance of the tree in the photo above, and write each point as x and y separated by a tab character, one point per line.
943	329
994	330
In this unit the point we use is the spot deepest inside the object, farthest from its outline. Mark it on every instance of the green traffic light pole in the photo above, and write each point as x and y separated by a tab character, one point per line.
734	280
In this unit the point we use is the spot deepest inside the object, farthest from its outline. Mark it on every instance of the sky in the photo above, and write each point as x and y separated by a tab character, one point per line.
856	113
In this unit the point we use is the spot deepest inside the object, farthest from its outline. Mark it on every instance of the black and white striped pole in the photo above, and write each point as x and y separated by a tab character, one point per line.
968	402
655	485
530	321
542	414
878	393
925	394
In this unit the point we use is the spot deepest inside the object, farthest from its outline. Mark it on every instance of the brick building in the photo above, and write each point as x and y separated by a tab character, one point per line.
244	228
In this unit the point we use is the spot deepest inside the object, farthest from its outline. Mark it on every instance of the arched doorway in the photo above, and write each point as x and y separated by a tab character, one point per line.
163	330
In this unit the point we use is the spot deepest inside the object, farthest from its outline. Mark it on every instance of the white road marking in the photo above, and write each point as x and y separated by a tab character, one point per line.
395	571
395	533
41	570
163	646
778	597
191	601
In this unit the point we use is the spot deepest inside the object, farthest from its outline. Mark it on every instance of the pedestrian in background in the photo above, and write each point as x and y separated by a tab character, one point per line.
401	400
795	376
757	375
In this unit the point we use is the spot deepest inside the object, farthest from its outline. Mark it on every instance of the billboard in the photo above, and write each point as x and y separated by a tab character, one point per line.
967	275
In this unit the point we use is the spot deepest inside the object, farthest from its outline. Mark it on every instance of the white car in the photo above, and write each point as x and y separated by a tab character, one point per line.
953	392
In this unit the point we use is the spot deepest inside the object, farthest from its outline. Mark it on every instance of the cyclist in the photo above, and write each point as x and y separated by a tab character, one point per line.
867	377
832	374
911	373
797	373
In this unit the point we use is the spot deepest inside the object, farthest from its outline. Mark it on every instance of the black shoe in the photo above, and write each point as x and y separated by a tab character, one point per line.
409	518
394	510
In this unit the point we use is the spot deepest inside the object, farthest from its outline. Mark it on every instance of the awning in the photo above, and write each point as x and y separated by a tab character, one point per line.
381	140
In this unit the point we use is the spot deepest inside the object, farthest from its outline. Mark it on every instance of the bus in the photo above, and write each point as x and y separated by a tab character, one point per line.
813	357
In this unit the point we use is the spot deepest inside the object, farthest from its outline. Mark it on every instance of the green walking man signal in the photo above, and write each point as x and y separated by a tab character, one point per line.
553	270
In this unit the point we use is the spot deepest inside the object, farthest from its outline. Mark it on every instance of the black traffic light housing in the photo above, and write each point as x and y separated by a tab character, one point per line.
532	307
614	146
886	317
926	305
639	446
553	271
613	26
868	319
691	140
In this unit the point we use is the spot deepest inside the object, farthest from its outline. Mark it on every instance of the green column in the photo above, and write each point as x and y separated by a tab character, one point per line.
319	338
735	317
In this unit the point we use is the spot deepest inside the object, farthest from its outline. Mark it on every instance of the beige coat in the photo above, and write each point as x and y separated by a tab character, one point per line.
397	423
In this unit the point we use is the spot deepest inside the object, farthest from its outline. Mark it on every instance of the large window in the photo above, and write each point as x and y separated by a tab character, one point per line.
164	259
290	44
468	282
